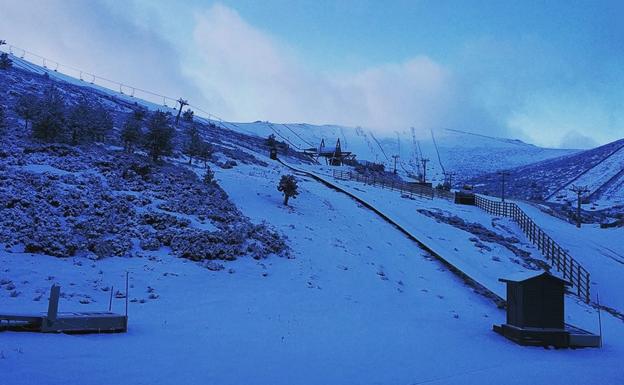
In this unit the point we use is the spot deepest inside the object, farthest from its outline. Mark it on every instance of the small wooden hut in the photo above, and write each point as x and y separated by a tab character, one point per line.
536	311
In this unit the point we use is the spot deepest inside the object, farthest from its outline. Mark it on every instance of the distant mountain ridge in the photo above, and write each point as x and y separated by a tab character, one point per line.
601	170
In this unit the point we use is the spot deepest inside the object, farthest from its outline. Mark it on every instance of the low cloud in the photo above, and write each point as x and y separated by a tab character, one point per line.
86	35
251	75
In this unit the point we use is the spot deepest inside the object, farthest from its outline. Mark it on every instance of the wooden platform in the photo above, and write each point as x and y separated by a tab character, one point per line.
65	322
569	337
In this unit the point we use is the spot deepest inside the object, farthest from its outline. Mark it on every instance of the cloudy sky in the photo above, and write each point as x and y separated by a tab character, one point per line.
547	72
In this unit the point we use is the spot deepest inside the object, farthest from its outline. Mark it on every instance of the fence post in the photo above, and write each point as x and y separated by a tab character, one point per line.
580	282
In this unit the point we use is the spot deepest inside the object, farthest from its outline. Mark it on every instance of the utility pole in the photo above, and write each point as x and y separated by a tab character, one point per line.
503	174
182	103
579	190
395	157
424	166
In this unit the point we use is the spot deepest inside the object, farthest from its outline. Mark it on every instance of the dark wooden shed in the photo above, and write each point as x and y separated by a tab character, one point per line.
464	198
535	300
535	313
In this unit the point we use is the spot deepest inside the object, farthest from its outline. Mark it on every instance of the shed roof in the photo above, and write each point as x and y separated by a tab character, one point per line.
527	275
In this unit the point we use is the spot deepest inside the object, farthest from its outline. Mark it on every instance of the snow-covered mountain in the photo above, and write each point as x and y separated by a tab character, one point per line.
462	153
601	170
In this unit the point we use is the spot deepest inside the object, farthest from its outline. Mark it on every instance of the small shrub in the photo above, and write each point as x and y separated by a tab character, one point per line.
5	61
288	186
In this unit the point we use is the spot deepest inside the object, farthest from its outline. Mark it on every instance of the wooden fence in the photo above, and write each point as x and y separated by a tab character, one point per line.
410	189
558	257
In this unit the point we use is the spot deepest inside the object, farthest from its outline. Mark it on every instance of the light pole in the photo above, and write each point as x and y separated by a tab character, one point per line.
424	166
579	191
503	174
448	178
395	157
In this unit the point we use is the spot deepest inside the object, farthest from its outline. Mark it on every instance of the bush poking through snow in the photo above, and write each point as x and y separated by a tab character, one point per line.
208	176
131	133
2	120
5	61
288	186
188	115
49	121
26	108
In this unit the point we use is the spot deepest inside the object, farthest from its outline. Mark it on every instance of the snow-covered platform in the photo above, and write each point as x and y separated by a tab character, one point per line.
65	322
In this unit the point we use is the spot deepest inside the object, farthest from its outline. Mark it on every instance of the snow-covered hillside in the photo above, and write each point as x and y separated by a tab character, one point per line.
462	153
599	169
229	286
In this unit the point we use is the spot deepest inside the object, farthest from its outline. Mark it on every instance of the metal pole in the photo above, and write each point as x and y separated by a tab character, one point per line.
599	318
110	300
578	210
503	174
126	294
579	190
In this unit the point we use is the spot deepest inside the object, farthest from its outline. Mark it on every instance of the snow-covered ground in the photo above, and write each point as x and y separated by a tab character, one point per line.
359	304
600	251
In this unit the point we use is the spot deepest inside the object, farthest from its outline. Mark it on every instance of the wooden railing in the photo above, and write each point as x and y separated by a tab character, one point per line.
393	184
558	257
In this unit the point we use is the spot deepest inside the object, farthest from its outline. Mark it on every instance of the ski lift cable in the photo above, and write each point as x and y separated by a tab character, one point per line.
379	144
297	135
81	75
283	137
94	77
437	152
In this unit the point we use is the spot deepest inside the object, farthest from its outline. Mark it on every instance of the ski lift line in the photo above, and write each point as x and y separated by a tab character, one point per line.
283	137
83	75
379	144
437	152
297	135
344	138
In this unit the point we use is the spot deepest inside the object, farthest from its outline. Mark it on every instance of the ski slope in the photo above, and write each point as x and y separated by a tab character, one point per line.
601	180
